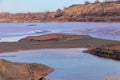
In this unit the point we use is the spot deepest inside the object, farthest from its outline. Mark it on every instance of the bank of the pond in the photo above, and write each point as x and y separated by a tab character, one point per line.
54	41
23	71
58	40
69	63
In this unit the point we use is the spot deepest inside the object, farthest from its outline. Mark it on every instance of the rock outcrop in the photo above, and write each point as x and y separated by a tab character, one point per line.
109	51
23	71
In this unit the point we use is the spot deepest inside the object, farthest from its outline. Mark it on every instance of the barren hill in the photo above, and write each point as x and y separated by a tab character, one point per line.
92	12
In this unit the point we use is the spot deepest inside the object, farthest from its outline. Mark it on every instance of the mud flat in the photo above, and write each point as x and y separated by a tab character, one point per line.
99	47
38	71
54	41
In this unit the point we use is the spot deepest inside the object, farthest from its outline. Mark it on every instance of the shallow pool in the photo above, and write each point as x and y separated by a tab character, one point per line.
69	64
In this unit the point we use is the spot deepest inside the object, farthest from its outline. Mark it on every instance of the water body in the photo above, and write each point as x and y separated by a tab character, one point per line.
16	31
69	64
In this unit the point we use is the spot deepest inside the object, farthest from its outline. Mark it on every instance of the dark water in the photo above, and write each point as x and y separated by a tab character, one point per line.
70	64
15	31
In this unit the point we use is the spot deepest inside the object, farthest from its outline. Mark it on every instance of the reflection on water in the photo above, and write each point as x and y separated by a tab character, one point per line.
70	64
99	30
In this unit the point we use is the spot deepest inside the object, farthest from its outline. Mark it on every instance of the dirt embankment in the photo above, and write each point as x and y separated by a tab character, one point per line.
23	71
108	51
96	46
14	71
99	47
54	41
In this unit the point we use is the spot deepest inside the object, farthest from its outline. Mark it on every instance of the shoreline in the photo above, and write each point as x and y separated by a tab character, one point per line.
70	41
64	22
28	71
107	51
57	40
51	41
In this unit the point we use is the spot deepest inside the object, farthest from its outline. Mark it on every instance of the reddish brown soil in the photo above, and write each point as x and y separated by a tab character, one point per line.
107	51
23	71
96	46
49	37
54	41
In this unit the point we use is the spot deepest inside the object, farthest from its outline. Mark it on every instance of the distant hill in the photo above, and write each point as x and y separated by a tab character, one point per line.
94	12
91	12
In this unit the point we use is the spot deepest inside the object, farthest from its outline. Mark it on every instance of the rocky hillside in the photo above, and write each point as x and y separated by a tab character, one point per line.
94	12
109	51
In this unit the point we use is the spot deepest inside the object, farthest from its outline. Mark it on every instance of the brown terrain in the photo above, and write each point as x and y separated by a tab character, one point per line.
108	51
37	71
96	46
23	71
54	41
101	48
94	12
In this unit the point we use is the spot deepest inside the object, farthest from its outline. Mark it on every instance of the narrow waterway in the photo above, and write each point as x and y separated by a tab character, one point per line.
69	64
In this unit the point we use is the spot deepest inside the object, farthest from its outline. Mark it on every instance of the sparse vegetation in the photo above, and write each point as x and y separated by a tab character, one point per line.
87	2
97	1
107	11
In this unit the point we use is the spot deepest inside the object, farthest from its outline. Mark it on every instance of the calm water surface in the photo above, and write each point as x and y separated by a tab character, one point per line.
15	31
69	64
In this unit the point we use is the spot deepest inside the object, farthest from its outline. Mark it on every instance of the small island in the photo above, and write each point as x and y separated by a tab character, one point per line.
96	46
